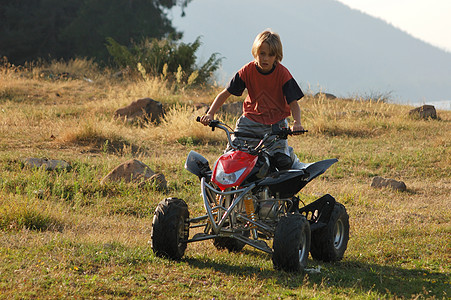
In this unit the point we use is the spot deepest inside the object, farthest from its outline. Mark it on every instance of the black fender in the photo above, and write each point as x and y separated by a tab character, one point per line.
287	182
282	176
317	168
318	212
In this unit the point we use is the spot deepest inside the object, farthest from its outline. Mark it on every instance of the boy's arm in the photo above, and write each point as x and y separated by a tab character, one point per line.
296	114
217	103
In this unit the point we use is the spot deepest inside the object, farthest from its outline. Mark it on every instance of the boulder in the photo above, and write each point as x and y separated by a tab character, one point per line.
144	109
48	164
424	112
325	95
235	108
132	170
157	180
135	171
201	107
380	182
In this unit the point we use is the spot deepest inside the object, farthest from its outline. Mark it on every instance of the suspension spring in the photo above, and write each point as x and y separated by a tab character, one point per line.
250	209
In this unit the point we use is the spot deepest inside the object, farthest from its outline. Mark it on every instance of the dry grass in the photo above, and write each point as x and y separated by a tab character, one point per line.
179	125
93	239
20	212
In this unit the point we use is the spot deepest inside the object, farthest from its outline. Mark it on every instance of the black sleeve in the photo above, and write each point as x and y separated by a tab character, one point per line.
292	91
236	86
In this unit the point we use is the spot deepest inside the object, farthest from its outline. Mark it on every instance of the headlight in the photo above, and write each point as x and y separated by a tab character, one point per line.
225	178
232	168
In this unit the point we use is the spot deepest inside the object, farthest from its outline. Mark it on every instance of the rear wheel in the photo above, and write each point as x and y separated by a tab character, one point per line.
330	243
170	228
291	243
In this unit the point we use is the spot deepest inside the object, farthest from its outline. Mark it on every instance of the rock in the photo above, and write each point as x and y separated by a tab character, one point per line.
144	109
201	106
135	171
235	108
157	180
132	170
424	112
325	95
48	164
122	73
380	182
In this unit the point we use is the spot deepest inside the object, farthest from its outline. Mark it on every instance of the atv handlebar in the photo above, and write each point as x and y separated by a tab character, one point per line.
217	124
212	123
281	133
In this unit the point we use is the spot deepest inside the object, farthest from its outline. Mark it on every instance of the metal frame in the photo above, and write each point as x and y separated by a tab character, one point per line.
218	217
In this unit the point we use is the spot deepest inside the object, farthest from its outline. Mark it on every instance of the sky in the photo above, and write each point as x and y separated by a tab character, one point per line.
428	20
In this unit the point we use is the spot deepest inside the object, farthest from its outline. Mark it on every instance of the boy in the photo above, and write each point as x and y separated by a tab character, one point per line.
272	97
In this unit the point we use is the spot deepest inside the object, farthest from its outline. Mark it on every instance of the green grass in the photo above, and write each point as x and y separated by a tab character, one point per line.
64	235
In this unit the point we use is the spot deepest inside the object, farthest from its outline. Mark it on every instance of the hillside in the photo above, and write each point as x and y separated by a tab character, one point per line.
63	234
327	46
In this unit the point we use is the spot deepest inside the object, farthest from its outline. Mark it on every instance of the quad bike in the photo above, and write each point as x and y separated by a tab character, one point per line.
248	201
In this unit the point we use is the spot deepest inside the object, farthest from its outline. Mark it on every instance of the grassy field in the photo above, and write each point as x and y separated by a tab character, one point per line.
63	235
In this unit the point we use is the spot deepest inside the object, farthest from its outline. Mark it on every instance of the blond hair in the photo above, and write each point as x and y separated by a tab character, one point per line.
274	42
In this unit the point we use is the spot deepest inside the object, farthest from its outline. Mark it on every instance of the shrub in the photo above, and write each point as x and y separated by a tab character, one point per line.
165	58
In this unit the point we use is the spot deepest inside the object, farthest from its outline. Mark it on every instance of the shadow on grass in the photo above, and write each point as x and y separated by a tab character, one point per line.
353	276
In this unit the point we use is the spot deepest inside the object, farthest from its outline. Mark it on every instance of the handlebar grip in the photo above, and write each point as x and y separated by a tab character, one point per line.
298	132
212	123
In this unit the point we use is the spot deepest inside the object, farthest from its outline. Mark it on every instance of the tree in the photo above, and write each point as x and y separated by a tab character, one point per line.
30	29
70	28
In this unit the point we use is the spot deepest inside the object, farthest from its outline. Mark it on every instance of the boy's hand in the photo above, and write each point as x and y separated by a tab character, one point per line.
205	119
297	127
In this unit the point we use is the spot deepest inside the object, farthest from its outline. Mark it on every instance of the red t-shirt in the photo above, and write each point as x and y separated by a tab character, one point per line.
269	94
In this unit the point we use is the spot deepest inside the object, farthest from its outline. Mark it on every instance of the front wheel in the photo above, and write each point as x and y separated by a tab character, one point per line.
329	243
291	243
170	228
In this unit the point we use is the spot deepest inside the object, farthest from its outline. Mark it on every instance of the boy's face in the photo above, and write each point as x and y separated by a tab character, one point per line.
265	61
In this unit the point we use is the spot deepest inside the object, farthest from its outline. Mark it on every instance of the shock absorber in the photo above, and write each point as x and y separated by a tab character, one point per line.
250	209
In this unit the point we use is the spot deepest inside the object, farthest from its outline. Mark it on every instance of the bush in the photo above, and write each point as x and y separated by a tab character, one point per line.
164	58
